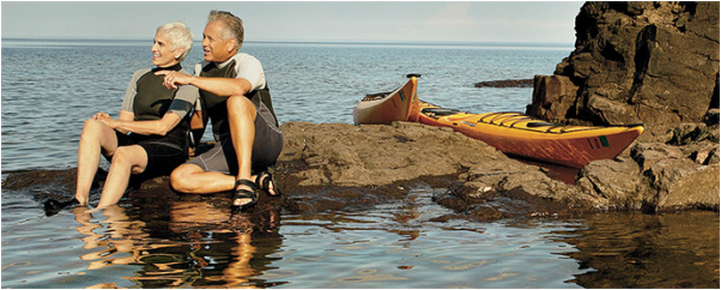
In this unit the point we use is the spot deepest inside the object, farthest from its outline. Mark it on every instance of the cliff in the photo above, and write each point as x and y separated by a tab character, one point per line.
655	63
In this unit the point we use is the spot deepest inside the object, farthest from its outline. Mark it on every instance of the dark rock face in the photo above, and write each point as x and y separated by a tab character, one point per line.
655	63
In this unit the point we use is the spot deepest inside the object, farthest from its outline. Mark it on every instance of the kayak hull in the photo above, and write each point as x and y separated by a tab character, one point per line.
385	108
522	135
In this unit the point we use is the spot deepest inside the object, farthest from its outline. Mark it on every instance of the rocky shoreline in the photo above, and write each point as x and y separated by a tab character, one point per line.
327	167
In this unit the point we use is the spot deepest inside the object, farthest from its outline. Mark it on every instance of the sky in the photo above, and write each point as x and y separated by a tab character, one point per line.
374	21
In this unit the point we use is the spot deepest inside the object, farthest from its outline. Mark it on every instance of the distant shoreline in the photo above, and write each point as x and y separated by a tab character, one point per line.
131	42
522	83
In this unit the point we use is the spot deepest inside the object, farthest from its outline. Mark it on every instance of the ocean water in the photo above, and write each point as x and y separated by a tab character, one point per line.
50	87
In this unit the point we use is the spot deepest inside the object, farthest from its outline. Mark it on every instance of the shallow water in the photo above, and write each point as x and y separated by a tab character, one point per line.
196	244
49	88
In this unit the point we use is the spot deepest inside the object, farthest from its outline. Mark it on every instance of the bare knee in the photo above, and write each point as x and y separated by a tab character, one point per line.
91	129
121	157
128	159
181	178
241	105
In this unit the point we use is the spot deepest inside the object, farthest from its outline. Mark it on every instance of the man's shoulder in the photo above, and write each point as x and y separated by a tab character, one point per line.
242	56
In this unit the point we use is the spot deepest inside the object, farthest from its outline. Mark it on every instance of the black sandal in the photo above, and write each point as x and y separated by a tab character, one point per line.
264	180
251	194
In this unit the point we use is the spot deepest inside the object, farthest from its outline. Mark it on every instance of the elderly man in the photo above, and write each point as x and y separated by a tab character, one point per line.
246	131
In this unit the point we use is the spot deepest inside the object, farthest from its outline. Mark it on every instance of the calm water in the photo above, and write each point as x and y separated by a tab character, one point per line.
50	88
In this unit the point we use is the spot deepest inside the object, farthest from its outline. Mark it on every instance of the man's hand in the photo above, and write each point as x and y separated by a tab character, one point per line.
174	79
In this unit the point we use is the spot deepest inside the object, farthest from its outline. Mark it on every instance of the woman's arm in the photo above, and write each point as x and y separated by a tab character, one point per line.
125	123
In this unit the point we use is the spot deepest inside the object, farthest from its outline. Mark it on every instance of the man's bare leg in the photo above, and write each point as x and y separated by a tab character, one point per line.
241	118
190	178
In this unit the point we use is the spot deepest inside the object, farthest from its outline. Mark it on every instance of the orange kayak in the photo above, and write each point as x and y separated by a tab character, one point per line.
522	135
384	108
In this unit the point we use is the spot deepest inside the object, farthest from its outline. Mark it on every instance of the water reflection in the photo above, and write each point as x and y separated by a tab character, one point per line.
679	250
191	244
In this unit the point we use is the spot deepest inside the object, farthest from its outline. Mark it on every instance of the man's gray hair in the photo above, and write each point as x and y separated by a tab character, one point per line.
233	26
180	36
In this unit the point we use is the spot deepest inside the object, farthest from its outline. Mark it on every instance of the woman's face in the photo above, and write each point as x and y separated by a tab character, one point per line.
163	53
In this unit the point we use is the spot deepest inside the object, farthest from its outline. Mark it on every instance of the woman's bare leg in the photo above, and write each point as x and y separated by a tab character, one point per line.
126	160
95	137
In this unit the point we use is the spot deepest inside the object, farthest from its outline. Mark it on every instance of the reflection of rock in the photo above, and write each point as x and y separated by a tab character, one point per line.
616	249
330	167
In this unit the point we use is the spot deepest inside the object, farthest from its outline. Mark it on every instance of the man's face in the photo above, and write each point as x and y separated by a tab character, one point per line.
163	53
215	48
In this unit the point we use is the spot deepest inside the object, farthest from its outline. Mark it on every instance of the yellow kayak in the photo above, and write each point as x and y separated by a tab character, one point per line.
522	135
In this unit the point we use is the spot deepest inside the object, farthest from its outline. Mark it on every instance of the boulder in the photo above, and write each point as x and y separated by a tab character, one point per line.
655	63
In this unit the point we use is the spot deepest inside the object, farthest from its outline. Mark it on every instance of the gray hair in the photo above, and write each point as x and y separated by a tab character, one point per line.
233	26
180	36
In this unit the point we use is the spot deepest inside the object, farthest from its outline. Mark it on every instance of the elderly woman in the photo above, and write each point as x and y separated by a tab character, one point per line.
150	136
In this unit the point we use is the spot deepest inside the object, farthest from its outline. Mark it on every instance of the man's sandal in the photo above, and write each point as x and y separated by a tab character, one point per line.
242	193
264	180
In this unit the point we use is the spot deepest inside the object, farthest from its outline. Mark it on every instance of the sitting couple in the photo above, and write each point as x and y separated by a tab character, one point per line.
150	136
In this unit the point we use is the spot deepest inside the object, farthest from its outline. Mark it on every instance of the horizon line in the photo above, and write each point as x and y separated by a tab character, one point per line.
288	41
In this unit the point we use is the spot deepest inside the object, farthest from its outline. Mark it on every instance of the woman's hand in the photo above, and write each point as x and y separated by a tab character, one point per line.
100	116
105	119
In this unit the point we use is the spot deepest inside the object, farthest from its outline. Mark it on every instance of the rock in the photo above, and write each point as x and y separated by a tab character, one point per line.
681	185
614	184
347	155
650	62
713	156
553	96
330	167
648	154
525	83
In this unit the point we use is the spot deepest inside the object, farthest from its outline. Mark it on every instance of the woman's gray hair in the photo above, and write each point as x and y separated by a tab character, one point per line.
233	26
180	36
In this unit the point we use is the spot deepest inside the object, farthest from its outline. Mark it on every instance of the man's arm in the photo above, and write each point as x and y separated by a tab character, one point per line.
224	87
